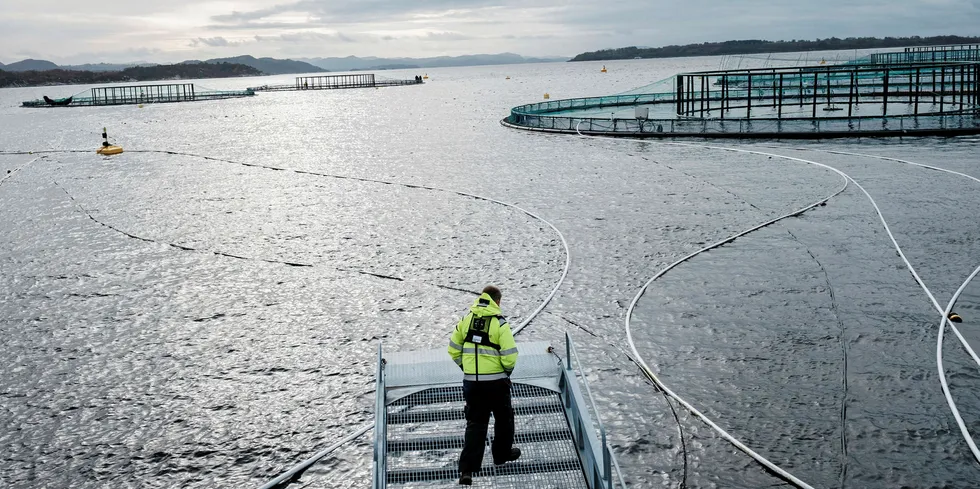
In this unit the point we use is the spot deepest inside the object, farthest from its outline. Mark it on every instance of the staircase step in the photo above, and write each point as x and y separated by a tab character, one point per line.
455	442
415	416
455	394
510	468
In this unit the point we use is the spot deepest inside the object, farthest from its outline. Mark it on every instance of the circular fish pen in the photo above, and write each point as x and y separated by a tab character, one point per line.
858	99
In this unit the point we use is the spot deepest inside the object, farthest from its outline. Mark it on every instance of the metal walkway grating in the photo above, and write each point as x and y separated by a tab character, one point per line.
420	425
425	436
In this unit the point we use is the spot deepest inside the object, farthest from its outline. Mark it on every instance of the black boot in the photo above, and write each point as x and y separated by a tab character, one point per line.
466	479
515	453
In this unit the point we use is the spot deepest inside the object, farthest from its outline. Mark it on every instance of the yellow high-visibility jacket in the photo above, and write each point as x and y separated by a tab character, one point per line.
482	343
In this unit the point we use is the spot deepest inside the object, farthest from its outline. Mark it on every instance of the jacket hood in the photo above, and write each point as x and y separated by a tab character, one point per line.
485	306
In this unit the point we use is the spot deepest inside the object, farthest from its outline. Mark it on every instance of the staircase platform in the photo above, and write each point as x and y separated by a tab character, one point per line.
419	425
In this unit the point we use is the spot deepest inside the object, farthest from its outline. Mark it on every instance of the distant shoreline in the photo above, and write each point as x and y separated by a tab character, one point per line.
764	47
135	74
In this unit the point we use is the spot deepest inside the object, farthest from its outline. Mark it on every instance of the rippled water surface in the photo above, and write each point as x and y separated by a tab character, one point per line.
203	310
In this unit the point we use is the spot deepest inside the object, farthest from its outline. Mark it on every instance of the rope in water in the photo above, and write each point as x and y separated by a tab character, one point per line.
944	312
301	467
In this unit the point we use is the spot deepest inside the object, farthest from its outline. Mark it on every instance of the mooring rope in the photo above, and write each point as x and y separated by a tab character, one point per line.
300	468
944	312
939	308
11	173
918	279
648	372
564	243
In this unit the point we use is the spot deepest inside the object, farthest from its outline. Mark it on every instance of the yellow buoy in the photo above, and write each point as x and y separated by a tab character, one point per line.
603	70
955	317
108	149
426	77
546	96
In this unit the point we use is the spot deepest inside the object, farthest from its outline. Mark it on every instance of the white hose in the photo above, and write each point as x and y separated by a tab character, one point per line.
425	187
942	369
364	429
939	308
898	248
646	368
303	465
738	444
945	313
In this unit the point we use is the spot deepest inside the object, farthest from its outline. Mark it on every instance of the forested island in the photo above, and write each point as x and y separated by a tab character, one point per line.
760	46
134	74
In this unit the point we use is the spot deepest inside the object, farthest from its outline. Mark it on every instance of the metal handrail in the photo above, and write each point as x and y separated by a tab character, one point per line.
380	427
608	461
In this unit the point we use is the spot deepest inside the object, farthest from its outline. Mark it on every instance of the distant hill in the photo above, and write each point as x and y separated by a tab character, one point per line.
273	66
134	74
104	66
31	64
1	65
270	66
353	63
389	67
761	46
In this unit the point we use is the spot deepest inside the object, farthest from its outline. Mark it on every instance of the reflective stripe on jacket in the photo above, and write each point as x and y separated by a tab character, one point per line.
482	362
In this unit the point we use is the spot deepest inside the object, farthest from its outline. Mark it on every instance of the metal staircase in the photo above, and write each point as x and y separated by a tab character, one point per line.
419	425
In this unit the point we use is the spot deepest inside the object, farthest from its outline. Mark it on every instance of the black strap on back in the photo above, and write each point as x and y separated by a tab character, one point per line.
479	331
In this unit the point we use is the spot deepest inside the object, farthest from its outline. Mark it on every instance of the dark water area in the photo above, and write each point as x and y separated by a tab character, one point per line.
170	320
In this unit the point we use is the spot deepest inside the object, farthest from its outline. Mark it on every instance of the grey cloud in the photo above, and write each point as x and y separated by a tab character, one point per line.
444	36
307	37
345	11
245	17
214	42
254	26
530	27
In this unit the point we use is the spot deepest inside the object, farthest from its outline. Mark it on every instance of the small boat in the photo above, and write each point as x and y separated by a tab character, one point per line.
58	101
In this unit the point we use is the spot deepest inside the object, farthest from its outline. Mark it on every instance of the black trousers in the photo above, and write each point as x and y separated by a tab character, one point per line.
482	399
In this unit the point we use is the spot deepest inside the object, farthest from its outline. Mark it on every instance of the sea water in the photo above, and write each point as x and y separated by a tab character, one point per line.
204	309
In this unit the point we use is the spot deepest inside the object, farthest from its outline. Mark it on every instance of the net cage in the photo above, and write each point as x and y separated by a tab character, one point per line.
139	94
858	97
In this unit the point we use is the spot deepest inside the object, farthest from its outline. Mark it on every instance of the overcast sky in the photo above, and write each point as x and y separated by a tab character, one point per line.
71	31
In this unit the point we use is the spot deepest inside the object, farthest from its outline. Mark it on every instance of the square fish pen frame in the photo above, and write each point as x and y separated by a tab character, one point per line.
138	94
335	81
766	93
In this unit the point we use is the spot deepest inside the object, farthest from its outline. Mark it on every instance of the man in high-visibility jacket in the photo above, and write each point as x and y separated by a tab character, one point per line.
484	348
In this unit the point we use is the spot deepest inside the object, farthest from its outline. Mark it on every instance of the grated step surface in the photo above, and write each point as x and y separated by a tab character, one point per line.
425	437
